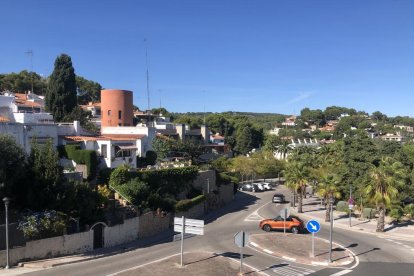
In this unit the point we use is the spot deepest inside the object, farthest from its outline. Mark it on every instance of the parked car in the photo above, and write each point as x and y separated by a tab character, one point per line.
266	186
278	198
293	223
260	186
250	187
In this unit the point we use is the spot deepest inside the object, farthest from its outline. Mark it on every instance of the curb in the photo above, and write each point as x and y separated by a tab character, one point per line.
314	263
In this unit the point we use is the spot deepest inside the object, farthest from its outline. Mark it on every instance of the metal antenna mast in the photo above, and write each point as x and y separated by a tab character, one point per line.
30	53
148	91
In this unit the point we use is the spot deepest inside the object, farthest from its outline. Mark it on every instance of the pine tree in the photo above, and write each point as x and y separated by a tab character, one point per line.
61	91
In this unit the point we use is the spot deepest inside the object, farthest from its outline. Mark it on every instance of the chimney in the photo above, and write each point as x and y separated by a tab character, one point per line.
205	133
181	131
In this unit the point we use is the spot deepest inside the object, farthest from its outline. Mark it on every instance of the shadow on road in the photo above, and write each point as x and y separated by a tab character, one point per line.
241	202
234	255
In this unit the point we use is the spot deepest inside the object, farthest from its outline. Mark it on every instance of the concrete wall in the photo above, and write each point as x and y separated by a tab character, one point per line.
46	248
152	224
122	233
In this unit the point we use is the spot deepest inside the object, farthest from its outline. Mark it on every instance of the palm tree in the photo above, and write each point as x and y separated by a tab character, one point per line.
284	148
327	189
382	186
296	174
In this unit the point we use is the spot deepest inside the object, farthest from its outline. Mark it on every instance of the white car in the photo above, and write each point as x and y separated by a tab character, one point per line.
266	186
260	186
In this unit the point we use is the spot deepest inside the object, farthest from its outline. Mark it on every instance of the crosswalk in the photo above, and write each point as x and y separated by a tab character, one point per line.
287	269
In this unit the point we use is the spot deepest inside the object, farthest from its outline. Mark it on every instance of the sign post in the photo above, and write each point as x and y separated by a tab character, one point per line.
350	205
241	239
284	213
313	226
190	226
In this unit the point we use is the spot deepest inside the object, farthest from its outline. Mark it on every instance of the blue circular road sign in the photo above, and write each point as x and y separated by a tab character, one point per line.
313	226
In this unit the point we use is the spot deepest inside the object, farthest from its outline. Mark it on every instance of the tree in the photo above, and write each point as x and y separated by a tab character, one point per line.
296	175
381	188
46	187
284	148
244	140
162	146
327	189
12	169
61	91
88	91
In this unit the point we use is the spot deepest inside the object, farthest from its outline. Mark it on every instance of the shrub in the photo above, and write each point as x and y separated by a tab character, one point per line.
87	157
409	210
42	225
186	204
342	206
369	213
396	213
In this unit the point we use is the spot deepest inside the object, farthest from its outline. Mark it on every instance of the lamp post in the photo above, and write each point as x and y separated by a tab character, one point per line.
350	203
331	202
6	201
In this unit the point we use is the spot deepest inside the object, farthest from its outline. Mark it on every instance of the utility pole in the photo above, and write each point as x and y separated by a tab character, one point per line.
148	91
30	53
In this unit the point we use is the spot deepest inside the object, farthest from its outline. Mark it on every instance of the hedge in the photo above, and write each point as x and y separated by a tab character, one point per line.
342	206
80	156
186	204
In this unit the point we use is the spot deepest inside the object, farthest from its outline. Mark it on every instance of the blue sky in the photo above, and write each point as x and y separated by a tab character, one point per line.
217	55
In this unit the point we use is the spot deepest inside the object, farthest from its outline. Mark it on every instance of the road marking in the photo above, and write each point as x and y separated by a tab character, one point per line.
254	244
399	243
343	272
289	258
268	251
320	263
407	246
346	263
389	240
290	270
254	216
412	249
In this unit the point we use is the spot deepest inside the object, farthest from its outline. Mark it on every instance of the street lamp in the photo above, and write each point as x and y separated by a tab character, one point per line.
6	201
331	202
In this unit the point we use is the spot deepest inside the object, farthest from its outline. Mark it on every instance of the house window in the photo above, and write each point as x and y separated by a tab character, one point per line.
119	114
109	112
104	151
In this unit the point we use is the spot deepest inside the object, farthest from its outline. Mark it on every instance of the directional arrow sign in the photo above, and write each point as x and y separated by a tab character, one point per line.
313	226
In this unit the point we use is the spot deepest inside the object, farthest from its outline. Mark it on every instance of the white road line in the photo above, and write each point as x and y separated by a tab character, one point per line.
389	240
320	263
399	243
412	249
289	258
343	272
254	244
268	251
407	246
255	214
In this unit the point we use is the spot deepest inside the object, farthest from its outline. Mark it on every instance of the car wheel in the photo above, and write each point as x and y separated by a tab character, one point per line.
267	227
294	230
253	190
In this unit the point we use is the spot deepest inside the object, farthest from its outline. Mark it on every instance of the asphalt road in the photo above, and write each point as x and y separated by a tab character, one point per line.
377	256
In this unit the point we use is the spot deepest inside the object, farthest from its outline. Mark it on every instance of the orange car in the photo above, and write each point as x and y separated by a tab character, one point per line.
293	224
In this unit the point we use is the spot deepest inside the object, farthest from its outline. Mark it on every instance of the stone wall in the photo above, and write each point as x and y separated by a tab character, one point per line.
194	212
226	194
205	180
152	223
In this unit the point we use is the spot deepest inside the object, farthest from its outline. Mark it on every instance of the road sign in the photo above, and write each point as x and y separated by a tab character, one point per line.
192	226
284	213
313	226
350	206
351	201
241	239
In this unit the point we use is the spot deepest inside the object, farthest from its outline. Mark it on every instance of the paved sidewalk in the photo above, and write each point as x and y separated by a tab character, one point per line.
313	210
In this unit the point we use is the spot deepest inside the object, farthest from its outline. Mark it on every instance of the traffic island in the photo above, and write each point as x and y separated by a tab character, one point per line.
298	248
195	263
